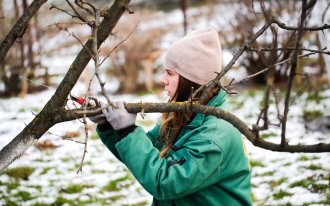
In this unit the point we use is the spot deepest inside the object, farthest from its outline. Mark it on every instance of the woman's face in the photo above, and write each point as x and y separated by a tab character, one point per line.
170	80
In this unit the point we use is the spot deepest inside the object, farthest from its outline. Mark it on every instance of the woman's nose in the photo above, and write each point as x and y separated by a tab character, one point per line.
163	80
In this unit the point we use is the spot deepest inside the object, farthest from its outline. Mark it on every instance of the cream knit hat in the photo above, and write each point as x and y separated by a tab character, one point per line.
196	56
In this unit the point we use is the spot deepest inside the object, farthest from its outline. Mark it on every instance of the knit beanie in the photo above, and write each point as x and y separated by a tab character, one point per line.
196	56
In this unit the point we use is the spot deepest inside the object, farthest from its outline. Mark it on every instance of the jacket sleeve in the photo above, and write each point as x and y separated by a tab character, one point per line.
153	134
193	167
110	137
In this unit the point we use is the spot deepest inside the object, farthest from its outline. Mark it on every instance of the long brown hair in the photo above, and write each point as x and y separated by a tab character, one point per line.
173	121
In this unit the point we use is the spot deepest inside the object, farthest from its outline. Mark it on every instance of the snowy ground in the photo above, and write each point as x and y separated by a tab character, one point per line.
48	176
45	177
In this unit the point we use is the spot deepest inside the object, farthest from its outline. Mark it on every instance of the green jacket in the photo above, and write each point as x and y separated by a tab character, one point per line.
206	166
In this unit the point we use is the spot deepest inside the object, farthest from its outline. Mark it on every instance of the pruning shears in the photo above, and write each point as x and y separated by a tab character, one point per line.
81	101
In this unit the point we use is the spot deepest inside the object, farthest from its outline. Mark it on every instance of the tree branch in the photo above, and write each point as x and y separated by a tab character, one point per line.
19	28
48	115
292	72
195	107
291	28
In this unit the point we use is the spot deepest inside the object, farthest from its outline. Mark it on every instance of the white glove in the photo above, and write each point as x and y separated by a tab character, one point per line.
118	117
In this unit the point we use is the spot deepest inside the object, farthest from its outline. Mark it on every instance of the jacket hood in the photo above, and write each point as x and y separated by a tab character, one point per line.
218	100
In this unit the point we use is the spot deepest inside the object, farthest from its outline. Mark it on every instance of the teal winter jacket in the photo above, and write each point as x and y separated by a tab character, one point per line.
207	165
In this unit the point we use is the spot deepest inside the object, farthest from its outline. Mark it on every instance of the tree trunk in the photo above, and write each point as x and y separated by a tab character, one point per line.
51	113
183	6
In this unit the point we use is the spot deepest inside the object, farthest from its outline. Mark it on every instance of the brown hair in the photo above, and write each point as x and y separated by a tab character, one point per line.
173	121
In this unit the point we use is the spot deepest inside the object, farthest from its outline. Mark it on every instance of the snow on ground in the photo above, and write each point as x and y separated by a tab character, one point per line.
46	177
278	178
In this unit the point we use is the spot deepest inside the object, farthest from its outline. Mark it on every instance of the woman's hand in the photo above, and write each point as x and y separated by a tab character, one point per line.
117	116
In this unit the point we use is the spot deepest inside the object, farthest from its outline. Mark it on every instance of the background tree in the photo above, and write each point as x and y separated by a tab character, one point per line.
22	60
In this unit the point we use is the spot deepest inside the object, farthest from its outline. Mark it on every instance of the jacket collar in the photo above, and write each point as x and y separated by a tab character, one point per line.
218	100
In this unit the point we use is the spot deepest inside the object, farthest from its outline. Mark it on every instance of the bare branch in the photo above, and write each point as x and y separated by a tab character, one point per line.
322	51
198	108
292	72
53	6
325	12
74	36
78	15
66	138
266	69
81	4
215	82
291	28
96	65
119	43
19	28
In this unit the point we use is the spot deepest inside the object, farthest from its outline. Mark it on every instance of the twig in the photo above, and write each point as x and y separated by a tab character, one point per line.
33	81
59	25
63	10
277	103
120	42
96	65
74	36
289	48
292	73
66	138
81	4
267	68
325	11
214	82
128	9
291	28
78	15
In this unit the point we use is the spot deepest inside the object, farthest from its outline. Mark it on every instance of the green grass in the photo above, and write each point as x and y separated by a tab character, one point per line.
256	163
116	197
113	185
94	136
22	172
24	196
287	164
9	202
306	158
35	110
314	167
312	96
275	183
12	185
74	188
138	204
268	173
45	170
21	110
268	135
63	201
279	195
312	114
311	184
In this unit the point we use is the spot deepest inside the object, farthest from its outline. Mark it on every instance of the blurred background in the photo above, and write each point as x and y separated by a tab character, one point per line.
37	62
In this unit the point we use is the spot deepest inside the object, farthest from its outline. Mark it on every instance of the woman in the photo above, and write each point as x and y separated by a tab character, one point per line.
186	159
